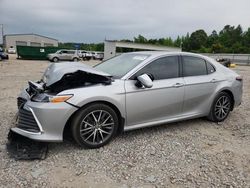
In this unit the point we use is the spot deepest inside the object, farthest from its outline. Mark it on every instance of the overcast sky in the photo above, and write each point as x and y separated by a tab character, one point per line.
95	20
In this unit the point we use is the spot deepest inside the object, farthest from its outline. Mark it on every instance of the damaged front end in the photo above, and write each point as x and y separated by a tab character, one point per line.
60	77
38	117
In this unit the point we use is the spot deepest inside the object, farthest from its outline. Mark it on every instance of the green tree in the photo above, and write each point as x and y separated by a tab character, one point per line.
217	48
212	39
230	36
140	39
198	39
178	42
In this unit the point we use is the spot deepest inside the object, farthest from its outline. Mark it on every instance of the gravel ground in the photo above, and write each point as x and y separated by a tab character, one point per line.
194	153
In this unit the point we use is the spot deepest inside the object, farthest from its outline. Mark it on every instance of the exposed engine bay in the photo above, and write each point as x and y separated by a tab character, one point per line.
63	76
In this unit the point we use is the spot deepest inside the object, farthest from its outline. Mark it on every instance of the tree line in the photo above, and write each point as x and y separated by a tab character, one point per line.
230	39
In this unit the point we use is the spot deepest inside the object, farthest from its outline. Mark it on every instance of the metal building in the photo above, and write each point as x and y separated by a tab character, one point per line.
111	45
28	40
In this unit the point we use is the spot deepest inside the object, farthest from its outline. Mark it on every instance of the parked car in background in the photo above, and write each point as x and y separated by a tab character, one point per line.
85	55
98	55
3	55
129	91
64	55
224	61
11	50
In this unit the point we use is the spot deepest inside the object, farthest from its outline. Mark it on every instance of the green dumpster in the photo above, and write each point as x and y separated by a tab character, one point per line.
38	53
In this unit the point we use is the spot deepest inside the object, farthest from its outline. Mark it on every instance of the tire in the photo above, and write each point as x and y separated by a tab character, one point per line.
221	107
75	59
1	58
94	126
55	59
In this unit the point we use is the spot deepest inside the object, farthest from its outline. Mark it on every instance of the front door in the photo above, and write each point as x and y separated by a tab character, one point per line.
164	100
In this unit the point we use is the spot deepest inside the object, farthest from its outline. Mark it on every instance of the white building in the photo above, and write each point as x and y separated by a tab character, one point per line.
28	40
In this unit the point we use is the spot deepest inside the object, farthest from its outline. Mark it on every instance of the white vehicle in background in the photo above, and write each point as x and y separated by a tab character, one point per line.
98	55
11	50
85	55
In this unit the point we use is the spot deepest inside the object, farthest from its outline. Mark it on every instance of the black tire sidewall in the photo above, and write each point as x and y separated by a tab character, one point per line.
214	117
76	123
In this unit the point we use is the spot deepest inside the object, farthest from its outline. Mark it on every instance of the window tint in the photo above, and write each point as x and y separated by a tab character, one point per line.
210	68
162	68
194	66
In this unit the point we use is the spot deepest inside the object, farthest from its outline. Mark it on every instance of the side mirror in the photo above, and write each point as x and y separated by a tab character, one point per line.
145	80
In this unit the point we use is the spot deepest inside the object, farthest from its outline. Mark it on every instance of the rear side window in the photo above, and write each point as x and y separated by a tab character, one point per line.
194	66
162	68
210	68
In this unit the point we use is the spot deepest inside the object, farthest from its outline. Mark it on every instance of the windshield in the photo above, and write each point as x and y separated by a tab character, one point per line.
122	64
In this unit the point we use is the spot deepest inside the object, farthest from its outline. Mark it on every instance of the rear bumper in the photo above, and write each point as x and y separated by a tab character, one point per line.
48	120
237	92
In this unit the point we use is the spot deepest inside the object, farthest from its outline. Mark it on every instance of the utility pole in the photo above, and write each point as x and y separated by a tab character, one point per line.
2	32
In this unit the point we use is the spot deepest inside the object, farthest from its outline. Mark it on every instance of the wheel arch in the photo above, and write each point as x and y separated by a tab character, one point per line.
230	93
66	129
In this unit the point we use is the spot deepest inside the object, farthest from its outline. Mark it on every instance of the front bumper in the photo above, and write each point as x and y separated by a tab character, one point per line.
48	119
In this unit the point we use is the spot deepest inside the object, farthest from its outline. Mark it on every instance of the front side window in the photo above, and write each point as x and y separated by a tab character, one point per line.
122	64
62	52
194	66
162	68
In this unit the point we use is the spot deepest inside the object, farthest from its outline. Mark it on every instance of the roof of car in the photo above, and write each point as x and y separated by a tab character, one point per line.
164	53
154	54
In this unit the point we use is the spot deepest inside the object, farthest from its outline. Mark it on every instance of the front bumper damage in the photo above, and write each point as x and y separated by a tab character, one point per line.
34	126
42	121
22	148
38	118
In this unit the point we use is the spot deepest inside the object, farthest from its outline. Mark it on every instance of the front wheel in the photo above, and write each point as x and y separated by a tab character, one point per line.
221	107
75	59
94	126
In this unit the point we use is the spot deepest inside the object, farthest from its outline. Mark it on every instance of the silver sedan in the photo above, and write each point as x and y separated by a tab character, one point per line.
130	91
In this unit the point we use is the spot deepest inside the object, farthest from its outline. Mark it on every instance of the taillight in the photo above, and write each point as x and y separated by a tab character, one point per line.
239	78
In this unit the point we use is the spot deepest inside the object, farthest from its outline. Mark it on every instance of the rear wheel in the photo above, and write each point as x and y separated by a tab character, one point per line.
94	126
75	59
55	59
221	107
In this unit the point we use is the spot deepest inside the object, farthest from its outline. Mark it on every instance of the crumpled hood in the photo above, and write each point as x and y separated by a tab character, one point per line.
56	71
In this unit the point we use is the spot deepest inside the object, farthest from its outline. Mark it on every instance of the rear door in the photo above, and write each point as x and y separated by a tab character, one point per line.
164	100
200	84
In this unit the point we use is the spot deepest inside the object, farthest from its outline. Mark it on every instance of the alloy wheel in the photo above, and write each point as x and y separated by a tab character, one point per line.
97	127
222	107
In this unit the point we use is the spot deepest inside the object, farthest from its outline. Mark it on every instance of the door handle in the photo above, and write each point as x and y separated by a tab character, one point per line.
178	85
214	80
